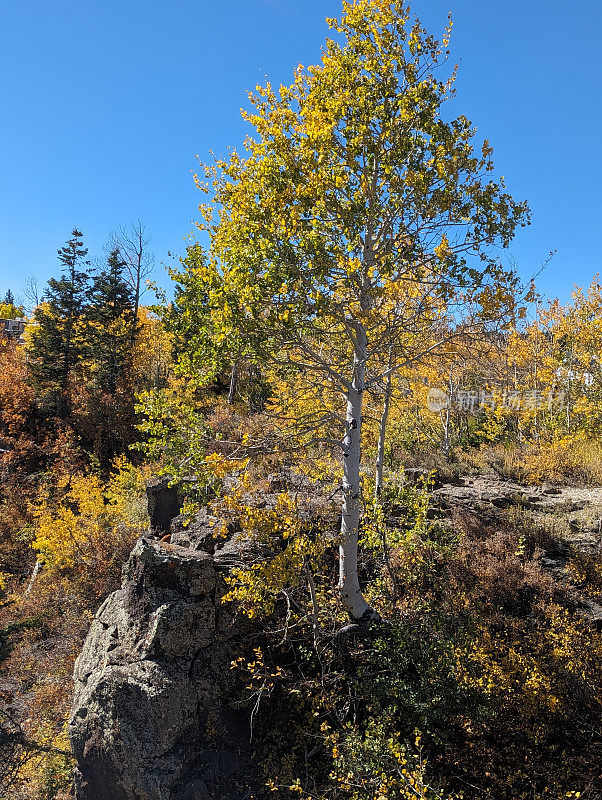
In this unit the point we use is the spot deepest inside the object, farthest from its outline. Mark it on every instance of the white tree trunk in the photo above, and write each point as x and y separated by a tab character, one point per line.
448	420
349	585
382	432
34	575
233	384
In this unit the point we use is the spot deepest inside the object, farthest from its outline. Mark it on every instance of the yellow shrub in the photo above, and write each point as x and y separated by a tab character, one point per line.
92	523
525	673
568	458
285	545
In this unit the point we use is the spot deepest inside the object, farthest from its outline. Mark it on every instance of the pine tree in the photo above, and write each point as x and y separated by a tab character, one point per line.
57	344
110	319
8	309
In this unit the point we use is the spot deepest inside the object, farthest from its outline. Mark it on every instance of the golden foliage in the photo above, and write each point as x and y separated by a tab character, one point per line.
93	522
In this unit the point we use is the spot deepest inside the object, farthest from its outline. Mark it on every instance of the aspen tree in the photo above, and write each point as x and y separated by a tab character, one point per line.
351	184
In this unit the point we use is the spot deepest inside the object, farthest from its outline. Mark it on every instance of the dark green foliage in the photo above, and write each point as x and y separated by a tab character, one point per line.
80	352
110	318
57	343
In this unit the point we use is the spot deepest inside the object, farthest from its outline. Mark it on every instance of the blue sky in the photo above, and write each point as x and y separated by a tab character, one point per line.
105	103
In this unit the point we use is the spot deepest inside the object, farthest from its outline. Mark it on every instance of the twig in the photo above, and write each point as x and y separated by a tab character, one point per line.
288	616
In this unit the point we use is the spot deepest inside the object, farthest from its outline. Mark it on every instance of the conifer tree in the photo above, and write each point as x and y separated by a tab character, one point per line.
110	317
8	309
57	344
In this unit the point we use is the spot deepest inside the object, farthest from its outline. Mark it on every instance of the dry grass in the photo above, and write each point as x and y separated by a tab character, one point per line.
568	460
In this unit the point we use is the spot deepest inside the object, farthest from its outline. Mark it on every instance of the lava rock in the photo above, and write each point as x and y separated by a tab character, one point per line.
151	718
163	503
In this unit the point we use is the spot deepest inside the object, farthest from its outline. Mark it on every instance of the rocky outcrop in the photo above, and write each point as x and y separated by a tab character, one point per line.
575	510
151	716
579	507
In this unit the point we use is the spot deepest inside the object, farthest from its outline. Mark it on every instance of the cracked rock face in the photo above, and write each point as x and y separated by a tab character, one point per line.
151	719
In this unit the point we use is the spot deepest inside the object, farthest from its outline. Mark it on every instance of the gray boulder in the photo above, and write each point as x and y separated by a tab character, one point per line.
151	718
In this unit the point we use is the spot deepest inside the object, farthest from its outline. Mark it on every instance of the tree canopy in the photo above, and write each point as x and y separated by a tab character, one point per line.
352	186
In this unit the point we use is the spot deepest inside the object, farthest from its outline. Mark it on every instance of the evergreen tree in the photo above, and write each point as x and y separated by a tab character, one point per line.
110	319
57	344
8	309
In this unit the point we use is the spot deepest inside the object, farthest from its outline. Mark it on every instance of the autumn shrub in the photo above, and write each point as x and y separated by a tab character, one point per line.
354	706
503	460
400	540
501	571
91	529
568	459
410	434
585	570
375	762
82	532
572	459
31	442
189	436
